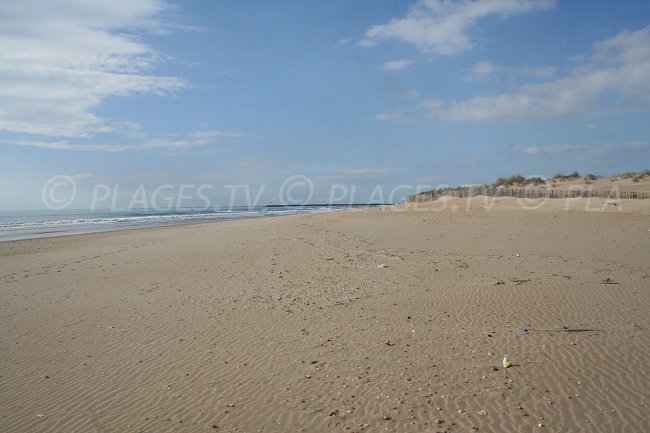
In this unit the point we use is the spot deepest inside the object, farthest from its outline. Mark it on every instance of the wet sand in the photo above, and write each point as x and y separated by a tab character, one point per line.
376	320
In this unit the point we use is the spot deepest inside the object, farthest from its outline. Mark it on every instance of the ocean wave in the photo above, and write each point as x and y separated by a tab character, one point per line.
35	223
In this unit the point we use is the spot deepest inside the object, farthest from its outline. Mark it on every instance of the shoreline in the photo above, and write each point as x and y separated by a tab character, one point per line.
90	228
125	231
377	320
442	204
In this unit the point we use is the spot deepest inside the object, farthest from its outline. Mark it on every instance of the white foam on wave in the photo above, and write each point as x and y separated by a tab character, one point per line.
30	226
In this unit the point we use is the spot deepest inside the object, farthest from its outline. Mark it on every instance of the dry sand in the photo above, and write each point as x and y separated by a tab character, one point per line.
288	324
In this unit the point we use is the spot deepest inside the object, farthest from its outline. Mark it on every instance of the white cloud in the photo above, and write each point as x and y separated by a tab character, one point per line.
439	26
584	150
213	136
551	149
396	65
539	72
365	172
482	70
59	59
485	70
412	94
198	138
619	65
399	115
354	174
66	145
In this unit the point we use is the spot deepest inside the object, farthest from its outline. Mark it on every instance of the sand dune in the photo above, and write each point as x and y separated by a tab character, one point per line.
606	183
290	324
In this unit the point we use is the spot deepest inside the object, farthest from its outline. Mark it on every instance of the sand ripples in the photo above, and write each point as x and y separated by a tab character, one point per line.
290	325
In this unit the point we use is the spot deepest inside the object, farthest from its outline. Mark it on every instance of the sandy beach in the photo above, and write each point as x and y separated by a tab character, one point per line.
373	320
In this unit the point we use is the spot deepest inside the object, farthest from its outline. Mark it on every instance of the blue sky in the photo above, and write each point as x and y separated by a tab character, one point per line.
362	95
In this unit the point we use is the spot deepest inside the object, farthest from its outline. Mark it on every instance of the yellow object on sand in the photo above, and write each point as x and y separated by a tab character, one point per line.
507	363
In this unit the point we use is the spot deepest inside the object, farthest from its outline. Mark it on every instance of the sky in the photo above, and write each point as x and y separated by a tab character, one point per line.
345	101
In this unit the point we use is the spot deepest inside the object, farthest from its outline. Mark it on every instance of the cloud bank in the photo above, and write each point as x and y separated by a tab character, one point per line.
619	67
198	138
396	65
60	58
584	150
440	26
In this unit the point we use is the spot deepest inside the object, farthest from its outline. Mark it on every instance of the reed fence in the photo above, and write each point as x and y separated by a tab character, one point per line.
531	193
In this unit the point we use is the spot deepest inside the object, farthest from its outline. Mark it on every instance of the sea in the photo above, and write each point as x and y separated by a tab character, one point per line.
16	225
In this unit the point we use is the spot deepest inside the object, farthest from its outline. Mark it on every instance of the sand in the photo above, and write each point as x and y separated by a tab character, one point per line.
612	183
288	324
